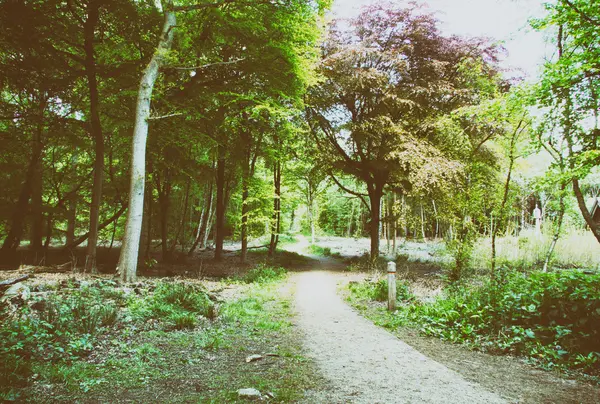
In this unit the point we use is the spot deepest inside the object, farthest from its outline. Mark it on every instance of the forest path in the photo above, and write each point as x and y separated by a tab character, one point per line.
365	363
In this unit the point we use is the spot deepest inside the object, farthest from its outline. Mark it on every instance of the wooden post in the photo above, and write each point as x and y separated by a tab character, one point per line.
391	270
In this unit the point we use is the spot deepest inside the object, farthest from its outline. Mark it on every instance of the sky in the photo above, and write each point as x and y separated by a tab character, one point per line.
501	20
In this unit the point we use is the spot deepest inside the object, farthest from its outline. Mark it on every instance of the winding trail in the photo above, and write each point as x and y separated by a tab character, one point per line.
364	363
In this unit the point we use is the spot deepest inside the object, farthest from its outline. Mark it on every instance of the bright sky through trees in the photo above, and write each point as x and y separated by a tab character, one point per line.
502	20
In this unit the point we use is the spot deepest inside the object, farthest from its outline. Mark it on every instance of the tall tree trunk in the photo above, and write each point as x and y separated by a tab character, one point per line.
71	219
349	231
210	224
128	259
37	213
90	71
163	188
422	223
182	223
375	194
246	173
220	219
204	220
276	218
437	222
394	224
502	213
13	238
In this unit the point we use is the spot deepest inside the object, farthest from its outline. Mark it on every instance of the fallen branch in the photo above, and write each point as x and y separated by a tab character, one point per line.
5	284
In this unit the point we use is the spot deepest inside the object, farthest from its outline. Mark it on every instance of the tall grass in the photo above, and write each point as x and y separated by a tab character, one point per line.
575	249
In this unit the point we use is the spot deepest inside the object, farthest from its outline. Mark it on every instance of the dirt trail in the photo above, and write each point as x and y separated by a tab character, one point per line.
365	363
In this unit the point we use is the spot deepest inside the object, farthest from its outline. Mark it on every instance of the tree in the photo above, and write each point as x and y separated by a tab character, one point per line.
127	265
385	81
571	84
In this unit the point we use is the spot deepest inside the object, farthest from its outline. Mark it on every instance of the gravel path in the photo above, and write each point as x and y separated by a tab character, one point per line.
364	363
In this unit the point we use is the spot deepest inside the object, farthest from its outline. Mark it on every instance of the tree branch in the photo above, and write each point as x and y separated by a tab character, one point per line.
357	194
582	14
206	65
157	117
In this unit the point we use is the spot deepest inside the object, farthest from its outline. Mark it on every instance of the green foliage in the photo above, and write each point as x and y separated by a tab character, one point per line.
264	273
378	290
178	303
552	318
57	328
364	263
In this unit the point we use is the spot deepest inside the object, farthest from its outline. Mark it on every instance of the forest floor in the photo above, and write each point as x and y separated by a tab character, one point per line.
313	348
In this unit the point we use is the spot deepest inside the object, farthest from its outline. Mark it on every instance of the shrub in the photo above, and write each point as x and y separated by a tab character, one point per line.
263	274
184	320
365	264
552	317
378	291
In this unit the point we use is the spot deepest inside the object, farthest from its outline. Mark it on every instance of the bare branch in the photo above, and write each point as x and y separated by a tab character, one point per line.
154	118
207	65
357	194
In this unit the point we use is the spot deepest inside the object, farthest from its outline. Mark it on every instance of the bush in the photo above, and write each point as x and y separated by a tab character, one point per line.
378	291
365	264
184	320
263	274
552	317
178	303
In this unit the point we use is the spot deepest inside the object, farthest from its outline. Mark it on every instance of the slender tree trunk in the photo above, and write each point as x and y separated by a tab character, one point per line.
246	173
164	187
561	215
422	223
71	219
220	216
182	223
502	213
210	227
37	213
204	220
128	259
394	224
437	222
48	232
276	218
90	71
245	211
349	232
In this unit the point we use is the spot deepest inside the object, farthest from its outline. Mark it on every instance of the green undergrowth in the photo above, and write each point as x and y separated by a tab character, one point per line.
263	273
316	249
102	342
378	290
282	258
553	319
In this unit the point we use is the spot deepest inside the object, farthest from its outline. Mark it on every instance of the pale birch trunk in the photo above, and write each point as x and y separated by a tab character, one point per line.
129	250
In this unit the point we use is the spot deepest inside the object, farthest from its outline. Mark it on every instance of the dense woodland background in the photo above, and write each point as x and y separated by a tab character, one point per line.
159	129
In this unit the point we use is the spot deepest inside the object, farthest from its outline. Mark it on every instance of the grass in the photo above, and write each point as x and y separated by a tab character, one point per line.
575	249
168	341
